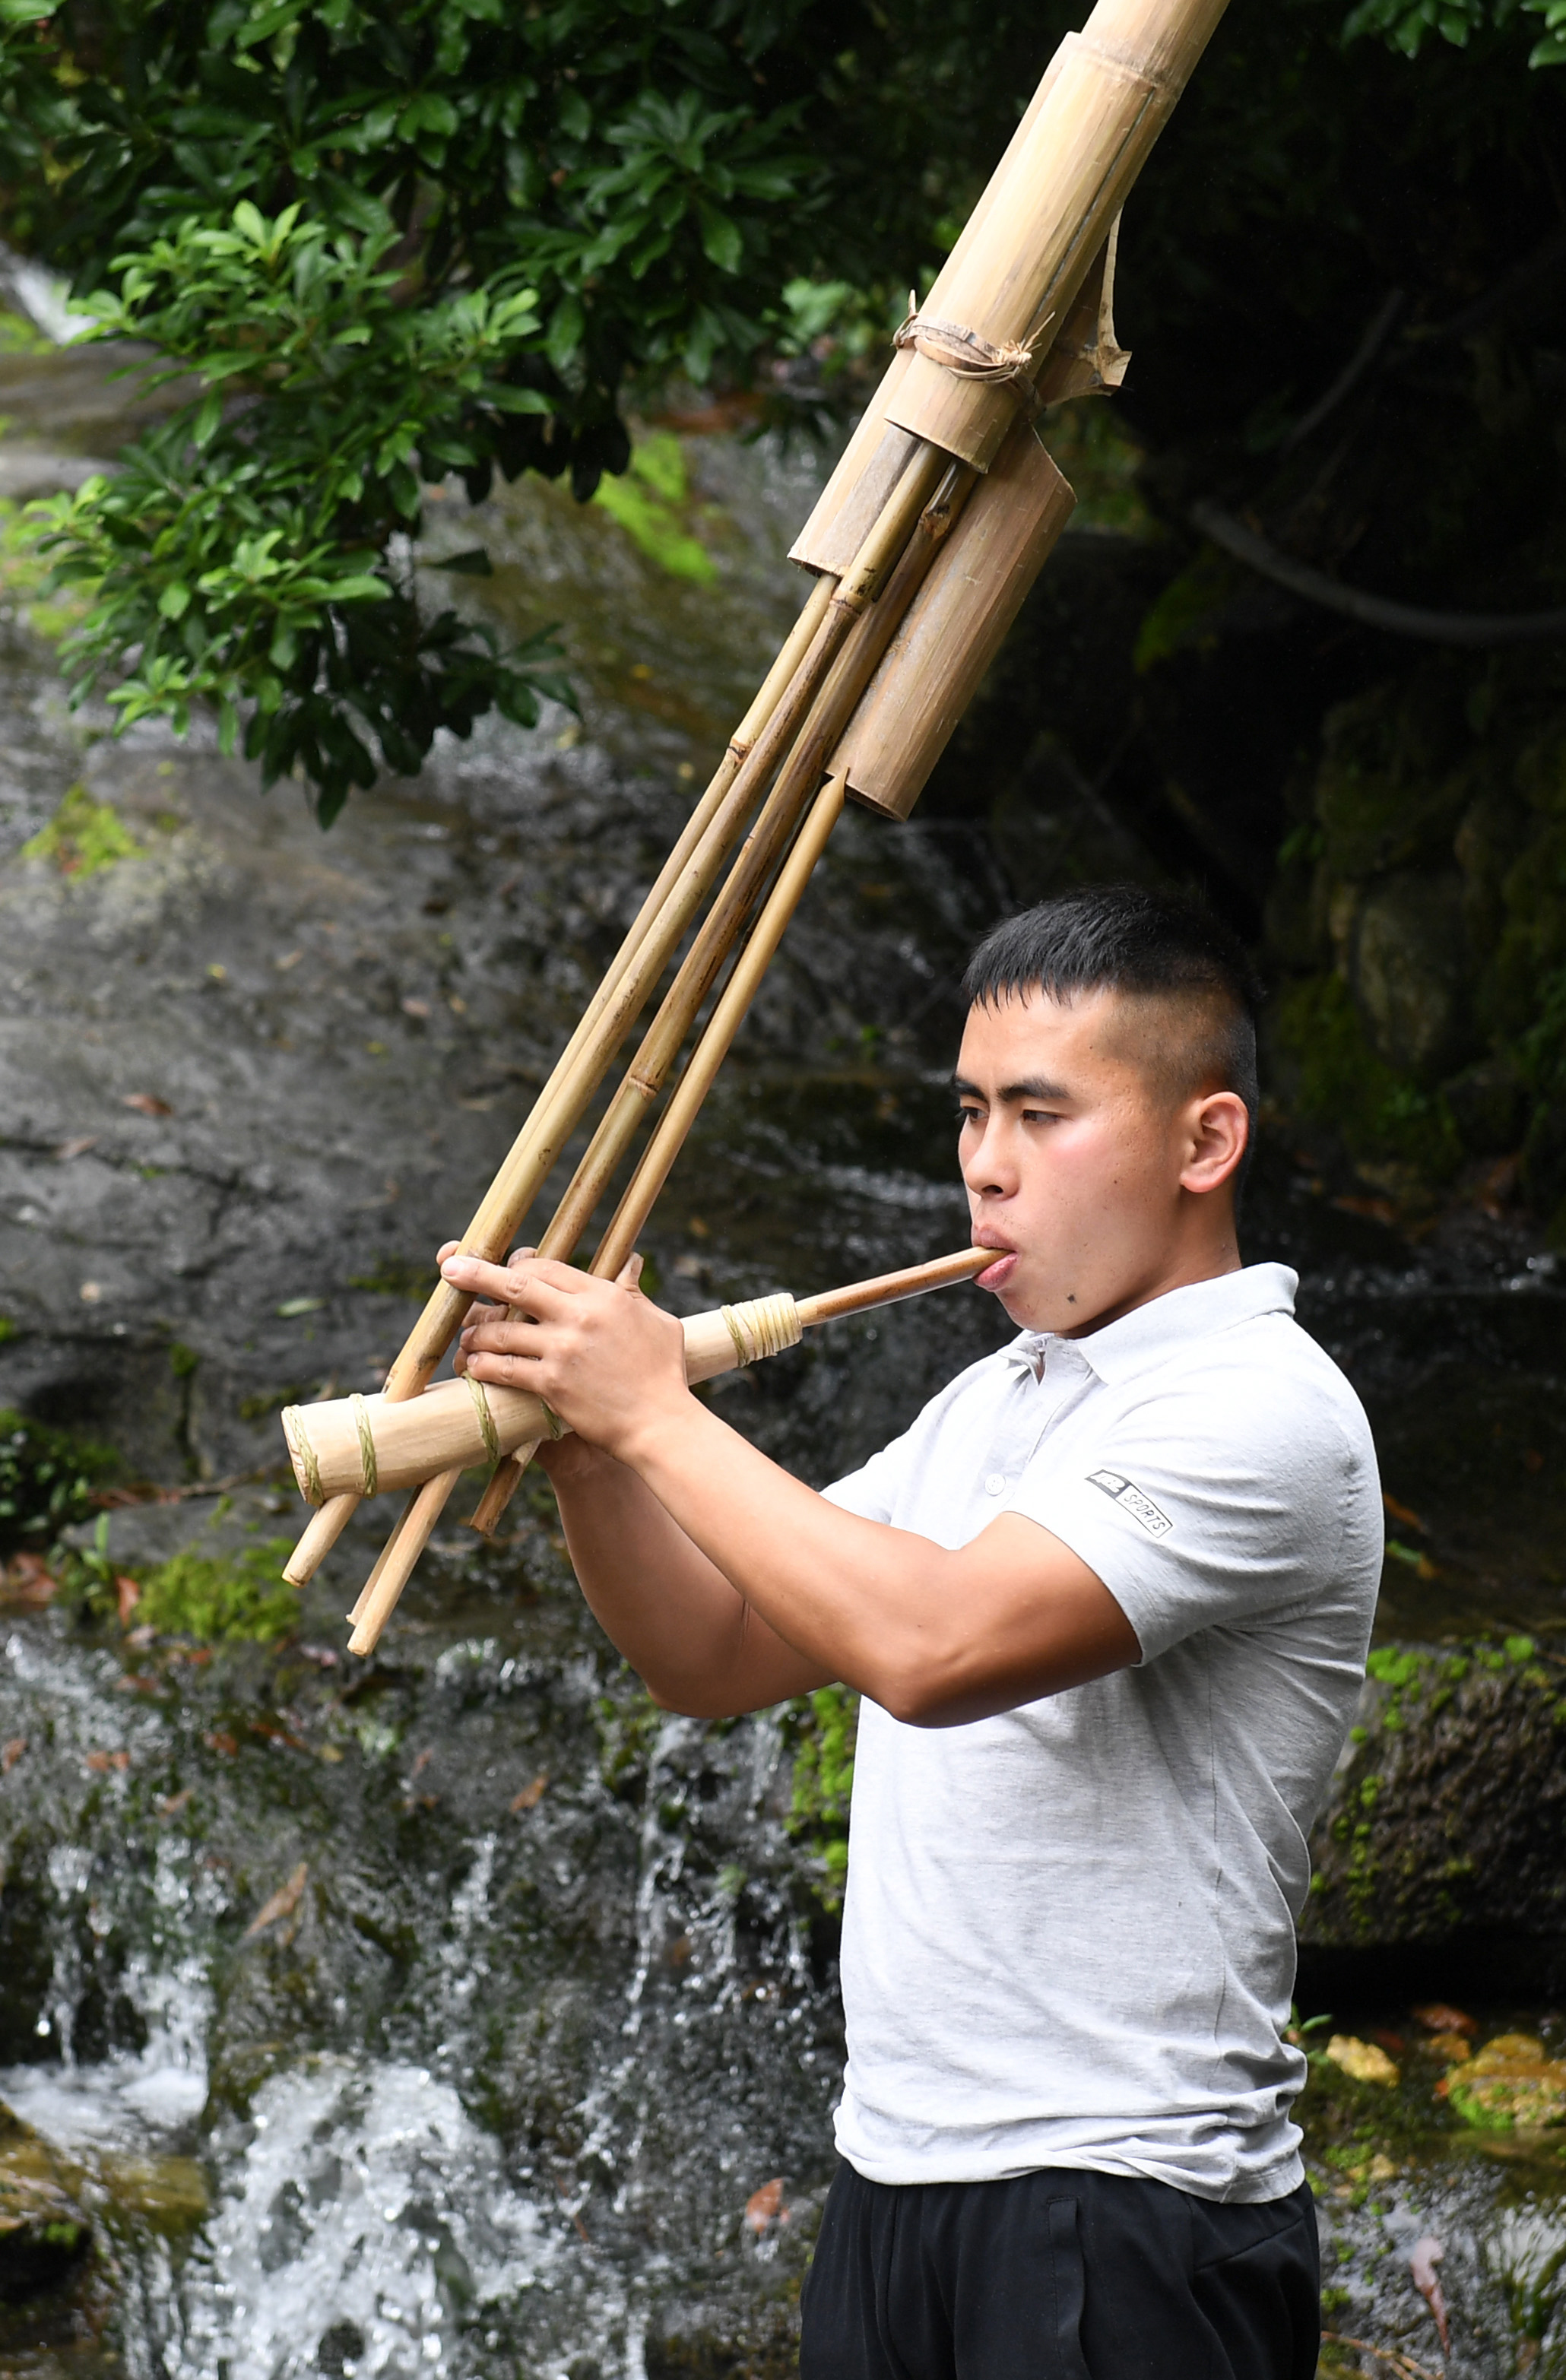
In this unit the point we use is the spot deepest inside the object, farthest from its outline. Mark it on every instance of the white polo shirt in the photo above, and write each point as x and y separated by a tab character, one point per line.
1069	1932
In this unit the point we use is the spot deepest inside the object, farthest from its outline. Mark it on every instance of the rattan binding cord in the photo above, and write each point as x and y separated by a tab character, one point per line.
303	1452
763	1325
486	1418
368	1467
960	350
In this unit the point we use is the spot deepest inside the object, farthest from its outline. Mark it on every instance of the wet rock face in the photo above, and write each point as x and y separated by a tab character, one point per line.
1448	1813
1412	974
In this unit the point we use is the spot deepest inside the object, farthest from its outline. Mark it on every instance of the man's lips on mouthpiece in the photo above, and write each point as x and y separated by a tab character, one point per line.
996	1275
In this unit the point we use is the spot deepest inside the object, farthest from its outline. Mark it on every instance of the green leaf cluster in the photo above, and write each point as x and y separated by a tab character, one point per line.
388	243
47	1477
1406	25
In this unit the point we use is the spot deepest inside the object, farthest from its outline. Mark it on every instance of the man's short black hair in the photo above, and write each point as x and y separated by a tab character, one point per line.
1148	945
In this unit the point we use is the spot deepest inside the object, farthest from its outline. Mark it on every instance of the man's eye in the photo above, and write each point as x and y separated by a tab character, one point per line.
968	1116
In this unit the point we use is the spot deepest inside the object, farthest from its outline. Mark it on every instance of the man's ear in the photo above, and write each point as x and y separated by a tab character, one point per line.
1219	1133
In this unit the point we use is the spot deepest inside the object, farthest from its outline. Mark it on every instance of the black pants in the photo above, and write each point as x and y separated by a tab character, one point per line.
1059	2275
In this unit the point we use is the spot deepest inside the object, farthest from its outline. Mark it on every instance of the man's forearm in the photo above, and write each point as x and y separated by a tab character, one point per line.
937	1637
667	1607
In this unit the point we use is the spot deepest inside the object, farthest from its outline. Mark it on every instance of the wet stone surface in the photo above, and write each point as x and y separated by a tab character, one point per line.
458	2011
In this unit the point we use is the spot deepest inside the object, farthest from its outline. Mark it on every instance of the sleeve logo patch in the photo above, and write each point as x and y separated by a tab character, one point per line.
1125	1493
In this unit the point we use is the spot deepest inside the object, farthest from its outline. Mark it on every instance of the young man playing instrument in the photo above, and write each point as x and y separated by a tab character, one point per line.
1108	1603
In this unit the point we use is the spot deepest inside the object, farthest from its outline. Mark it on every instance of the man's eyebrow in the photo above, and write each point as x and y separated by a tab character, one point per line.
1032	1088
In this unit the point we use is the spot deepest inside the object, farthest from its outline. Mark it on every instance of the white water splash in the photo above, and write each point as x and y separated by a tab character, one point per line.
367	2205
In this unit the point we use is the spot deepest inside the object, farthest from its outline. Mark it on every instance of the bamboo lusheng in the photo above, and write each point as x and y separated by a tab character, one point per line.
1037	241
419	1439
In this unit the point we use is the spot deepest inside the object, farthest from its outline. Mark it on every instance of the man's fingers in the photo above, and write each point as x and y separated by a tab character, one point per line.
501	1283
629	1274
447	1248
520	1256
502	1371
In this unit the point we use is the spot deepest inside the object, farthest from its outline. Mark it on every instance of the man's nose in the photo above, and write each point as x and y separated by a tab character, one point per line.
988	1171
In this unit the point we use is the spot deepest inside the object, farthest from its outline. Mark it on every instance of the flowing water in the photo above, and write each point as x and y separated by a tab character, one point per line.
456	2012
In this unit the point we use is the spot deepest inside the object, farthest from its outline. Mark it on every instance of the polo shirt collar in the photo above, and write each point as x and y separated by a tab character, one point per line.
1149	1333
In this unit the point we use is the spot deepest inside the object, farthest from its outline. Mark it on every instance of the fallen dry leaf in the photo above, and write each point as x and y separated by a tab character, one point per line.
174	1803
1424	2256
1442	2019
11	1752
217	1739
422	1762
765	2205
146	1104
77	1148
531	1795
129	1593
100	1762
284	1902
1362	2059
415	1008
1402	1512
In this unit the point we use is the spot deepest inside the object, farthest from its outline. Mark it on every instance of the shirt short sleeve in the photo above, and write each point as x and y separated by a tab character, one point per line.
872	1490
1216	1501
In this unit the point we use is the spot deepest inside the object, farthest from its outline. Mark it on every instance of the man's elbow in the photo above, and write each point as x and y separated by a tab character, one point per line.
922	1690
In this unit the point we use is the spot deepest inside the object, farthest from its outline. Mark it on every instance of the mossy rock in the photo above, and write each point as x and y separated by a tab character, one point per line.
1447	1816
1512	2081
45	2234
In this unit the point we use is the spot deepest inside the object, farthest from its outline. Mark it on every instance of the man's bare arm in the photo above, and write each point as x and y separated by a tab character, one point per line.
937	1637
696	1645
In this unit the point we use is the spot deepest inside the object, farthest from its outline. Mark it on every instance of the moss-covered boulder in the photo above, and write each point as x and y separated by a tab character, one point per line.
1448	1813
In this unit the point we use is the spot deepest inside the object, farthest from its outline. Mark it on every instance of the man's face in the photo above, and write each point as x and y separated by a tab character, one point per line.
1082	1164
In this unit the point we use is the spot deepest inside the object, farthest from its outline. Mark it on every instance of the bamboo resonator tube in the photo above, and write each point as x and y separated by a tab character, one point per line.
941	513
362	1446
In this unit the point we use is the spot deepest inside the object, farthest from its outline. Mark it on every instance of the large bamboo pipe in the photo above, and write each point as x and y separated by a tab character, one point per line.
1029	249
368	1445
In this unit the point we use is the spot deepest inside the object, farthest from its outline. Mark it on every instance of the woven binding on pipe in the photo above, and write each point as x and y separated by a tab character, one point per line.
486	1418
369	1469
763	1325
958	350
303	1453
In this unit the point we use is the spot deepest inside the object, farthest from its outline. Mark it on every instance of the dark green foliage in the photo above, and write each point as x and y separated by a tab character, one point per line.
825	1726
236	1597
46	1480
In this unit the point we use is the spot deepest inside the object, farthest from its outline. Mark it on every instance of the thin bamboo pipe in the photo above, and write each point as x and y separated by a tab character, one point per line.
850	673
701	1068
641	1193
797	783
703	845
420	1438
395	1566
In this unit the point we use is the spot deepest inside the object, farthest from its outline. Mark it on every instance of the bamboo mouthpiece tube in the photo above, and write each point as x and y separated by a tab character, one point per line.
358	1446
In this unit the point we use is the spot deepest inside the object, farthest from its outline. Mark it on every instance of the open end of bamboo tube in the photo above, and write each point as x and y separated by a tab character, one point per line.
320	1534
382	1559
505	1480
395	1567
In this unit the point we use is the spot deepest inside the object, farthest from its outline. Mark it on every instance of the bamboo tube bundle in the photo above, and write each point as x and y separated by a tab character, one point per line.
939	515
364	1446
